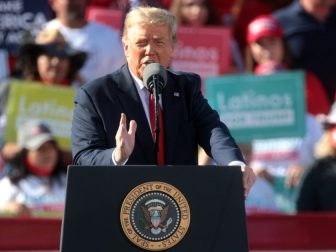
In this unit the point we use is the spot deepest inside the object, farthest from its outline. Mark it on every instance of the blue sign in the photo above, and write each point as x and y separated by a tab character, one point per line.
255	107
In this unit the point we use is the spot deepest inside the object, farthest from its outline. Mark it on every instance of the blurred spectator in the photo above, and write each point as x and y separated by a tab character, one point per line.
198	13
329	123
262	195
318	190
49	61
267	52
310	31
101	43
36	176
282	160
239	13
17	18
195	12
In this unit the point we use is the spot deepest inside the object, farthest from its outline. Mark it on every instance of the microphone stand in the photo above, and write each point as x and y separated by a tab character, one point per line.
157	120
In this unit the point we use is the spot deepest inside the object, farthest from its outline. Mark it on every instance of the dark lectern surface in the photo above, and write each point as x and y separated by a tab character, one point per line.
95	194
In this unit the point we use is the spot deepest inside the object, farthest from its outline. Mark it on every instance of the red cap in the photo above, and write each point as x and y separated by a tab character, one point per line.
263	26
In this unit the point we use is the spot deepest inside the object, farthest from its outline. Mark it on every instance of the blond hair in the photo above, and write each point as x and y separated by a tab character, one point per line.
150	15
324	148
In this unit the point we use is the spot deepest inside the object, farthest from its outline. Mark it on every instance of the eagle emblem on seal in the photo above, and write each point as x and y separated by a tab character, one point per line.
156	213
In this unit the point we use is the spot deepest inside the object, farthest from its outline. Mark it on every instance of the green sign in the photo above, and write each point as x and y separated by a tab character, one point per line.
52	104
255	107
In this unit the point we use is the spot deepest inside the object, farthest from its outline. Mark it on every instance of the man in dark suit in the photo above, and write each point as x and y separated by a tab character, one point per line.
106	106
310	33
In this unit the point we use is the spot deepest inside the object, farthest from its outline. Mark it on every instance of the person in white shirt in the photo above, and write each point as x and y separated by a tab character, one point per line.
101	43
35	178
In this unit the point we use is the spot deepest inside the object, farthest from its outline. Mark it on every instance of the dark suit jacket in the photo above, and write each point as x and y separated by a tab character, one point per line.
189	121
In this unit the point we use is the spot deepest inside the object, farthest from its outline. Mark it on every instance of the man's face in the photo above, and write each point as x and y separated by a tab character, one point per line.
144	44
71	10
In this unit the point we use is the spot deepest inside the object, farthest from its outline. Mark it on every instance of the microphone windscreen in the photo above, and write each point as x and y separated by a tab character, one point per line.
152	70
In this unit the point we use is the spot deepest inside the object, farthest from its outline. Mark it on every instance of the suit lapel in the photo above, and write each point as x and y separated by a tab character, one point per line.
171	97
131	103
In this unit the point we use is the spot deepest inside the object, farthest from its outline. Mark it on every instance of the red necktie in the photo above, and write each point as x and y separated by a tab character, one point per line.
161	157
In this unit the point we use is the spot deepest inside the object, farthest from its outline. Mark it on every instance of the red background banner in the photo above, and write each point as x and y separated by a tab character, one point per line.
266	232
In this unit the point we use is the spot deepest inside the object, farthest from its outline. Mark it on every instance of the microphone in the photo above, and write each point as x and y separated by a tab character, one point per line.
155	77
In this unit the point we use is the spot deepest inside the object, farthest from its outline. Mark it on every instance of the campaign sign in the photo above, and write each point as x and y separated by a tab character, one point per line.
256	107
202	50
18	18
110	17
52	104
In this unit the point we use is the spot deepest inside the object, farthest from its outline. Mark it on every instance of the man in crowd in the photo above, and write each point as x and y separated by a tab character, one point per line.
101	43
310	31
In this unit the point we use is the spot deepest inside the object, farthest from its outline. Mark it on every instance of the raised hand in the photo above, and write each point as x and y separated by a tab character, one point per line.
124	140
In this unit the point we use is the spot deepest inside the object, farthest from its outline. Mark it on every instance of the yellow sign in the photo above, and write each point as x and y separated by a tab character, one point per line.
51	104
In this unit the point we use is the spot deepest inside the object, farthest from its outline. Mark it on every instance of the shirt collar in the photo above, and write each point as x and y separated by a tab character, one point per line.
138	82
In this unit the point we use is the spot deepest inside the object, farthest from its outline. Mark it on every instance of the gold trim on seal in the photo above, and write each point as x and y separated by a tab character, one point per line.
169	237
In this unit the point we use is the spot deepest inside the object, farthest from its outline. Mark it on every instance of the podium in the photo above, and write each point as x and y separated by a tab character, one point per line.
207	209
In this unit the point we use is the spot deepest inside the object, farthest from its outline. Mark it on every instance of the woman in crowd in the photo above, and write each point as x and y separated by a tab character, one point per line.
198	13
318	189
195	12
267	52
48	61
36	175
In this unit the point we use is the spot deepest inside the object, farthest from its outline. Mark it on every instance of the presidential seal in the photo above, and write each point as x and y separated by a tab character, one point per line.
155	216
